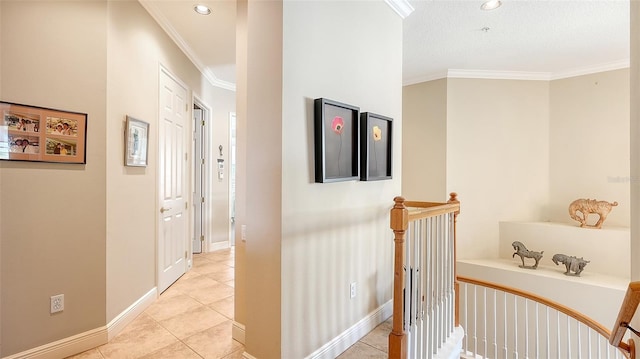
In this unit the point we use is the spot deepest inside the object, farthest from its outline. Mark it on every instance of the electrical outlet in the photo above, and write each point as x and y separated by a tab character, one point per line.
243	232
352	290
57	303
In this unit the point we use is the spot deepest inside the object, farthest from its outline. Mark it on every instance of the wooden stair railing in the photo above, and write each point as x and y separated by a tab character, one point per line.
627	310
402	213
630	303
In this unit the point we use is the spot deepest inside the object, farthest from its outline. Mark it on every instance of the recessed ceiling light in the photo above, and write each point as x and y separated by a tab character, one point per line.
490	5
202	9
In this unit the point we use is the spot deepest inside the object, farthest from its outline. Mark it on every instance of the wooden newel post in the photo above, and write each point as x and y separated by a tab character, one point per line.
399	225
453	198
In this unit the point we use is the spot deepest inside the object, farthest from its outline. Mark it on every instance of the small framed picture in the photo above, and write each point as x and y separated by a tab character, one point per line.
376	148
136	142
336	141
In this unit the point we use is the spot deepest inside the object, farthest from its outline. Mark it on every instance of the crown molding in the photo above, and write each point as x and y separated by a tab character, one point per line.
498	75
610	66
401	7
519	75
186	49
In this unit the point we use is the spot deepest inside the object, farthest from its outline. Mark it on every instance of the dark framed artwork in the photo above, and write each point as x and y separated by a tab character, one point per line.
336	141
32	133
136	143
376	148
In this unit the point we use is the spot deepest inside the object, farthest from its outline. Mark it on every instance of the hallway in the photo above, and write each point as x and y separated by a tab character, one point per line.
193	319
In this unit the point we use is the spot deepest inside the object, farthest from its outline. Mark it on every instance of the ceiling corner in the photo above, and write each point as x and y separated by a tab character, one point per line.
165	24
401	7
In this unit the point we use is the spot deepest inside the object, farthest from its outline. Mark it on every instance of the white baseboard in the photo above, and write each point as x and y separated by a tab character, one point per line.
350	336
65	347
90	339
217	246
118	323
237	332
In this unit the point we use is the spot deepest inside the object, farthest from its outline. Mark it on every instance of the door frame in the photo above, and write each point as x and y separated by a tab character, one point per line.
232	158
162	69
207	209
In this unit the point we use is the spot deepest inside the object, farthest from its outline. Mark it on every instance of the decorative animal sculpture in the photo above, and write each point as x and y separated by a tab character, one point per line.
572	263
523	252
588	206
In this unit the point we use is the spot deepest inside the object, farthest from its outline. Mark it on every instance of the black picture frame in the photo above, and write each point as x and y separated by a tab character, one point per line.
377	147
41	134
337	141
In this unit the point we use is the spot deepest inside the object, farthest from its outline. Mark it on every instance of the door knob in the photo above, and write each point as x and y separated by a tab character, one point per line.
162	210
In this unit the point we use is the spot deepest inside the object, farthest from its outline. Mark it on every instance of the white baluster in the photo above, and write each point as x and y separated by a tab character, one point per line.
495	324
484	319
558	335
568	338
515	326
537	331
505	345
579	341
475	320
526	328
547	330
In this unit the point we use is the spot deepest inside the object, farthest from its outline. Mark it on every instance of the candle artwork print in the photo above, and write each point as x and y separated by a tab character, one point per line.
336	128
376	151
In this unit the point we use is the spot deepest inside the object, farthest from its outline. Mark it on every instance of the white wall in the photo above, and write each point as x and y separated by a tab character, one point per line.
424	141
53	233
335	233
589	146
497	157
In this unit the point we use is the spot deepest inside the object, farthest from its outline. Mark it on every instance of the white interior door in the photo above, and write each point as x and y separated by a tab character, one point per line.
173	231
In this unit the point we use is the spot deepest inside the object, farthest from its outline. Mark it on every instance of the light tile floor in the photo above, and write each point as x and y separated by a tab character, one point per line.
193	319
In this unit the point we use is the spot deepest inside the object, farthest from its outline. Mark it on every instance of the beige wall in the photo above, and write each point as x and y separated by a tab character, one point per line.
53	233
90	240
261	131
497	157
335	233
137	49
589	120
523	150
424	134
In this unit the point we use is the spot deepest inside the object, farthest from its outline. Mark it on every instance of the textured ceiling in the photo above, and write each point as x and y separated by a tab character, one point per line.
554	37
549	39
